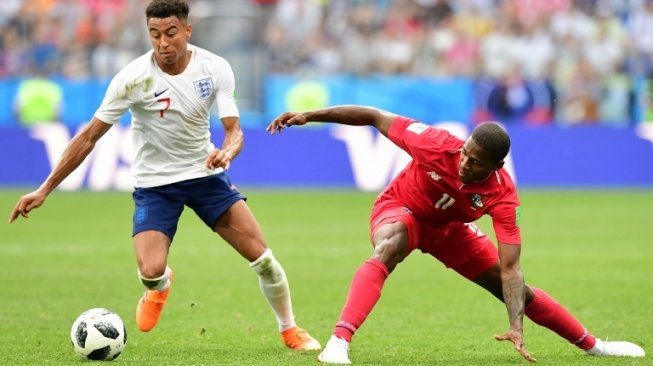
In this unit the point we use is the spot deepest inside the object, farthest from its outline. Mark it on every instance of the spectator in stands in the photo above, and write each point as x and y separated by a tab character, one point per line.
545	39
579	100
394	46
640	29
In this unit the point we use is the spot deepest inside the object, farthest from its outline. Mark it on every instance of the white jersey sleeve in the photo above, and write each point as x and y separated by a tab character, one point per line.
124	90
225	96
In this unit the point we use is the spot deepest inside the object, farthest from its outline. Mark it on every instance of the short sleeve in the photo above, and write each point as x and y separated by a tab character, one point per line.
420	140
505	216
115	103
225	96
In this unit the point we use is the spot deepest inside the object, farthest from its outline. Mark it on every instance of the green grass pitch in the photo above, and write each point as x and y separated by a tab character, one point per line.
591	250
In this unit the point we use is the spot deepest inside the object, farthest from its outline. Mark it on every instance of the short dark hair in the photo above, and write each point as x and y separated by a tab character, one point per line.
167	8
492	138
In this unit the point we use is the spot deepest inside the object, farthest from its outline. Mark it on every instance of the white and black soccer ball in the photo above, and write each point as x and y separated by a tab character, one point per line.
98	334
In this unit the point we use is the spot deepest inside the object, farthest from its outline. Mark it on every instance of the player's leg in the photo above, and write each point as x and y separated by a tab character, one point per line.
241	230
221	206
394	235
151	254
390	247
542	309
483	269
157	211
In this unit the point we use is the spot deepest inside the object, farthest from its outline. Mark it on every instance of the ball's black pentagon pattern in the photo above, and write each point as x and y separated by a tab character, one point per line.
124	332
81	334
107	329
100	353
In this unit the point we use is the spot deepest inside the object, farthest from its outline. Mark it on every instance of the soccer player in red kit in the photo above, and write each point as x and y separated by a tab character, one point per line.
431	206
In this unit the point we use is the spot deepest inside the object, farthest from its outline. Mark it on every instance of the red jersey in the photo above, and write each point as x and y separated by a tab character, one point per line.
431	188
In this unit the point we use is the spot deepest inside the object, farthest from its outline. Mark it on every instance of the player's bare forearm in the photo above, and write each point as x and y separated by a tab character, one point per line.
347	115
514	297
512	279
77	150
233	136
351	115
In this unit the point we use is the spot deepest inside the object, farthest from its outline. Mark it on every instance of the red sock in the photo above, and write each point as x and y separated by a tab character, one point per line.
364	292
547	312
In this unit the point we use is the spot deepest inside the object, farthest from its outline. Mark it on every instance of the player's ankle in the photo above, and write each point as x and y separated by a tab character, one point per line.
343	330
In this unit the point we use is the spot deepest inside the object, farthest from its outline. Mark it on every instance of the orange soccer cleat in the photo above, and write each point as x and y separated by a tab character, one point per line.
149	308
298	339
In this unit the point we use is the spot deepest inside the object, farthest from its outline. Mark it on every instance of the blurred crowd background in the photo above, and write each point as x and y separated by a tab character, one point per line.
534	62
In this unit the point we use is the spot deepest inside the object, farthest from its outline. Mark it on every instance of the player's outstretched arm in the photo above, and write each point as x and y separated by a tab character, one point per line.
77	150
352	115
514	297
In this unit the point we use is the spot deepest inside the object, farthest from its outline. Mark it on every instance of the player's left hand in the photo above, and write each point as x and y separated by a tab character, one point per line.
219	158
286	120
516	338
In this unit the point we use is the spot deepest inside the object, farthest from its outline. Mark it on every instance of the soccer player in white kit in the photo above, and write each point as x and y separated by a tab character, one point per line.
169	92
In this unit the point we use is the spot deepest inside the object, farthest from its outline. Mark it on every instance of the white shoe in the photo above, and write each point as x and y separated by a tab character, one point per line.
615	349
336	351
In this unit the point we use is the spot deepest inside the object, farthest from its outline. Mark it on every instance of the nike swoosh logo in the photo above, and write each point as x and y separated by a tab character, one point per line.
159	93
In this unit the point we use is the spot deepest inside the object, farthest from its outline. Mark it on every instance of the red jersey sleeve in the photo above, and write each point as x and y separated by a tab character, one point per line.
420	140
505	214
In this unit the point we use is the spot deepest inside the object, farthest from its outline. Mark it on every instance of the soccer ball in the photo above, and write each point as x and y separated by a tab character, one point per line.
98	334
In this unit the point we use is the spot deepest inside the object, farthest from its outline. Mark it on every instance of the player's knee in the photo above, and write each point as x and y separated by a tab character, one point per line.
390	246
152	269
153	277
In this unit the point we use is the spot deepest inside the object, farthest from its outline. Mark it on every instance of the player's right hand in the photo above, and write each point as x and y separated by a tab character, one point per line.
516	338
286	120
26	204
219	158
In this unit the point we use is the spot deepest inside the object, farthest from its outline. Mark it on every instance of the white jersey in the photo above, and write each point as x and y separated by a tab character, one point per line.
170	114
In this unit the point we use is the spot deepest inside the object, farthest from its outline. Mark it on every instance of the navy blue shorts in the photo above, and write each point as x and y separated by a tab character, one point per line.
159	208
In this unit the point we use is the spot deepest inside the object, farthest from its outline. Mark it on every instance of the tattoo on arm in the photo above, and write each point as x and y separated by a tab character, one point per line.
514	297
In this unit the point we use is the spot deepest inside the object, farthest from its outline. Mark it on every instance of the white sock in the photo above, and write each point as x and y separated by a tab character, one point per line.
274	285
159	284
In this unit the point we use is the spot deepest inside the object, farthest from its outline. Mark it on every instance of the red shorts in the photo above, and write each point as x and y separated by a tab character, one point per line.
462	247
